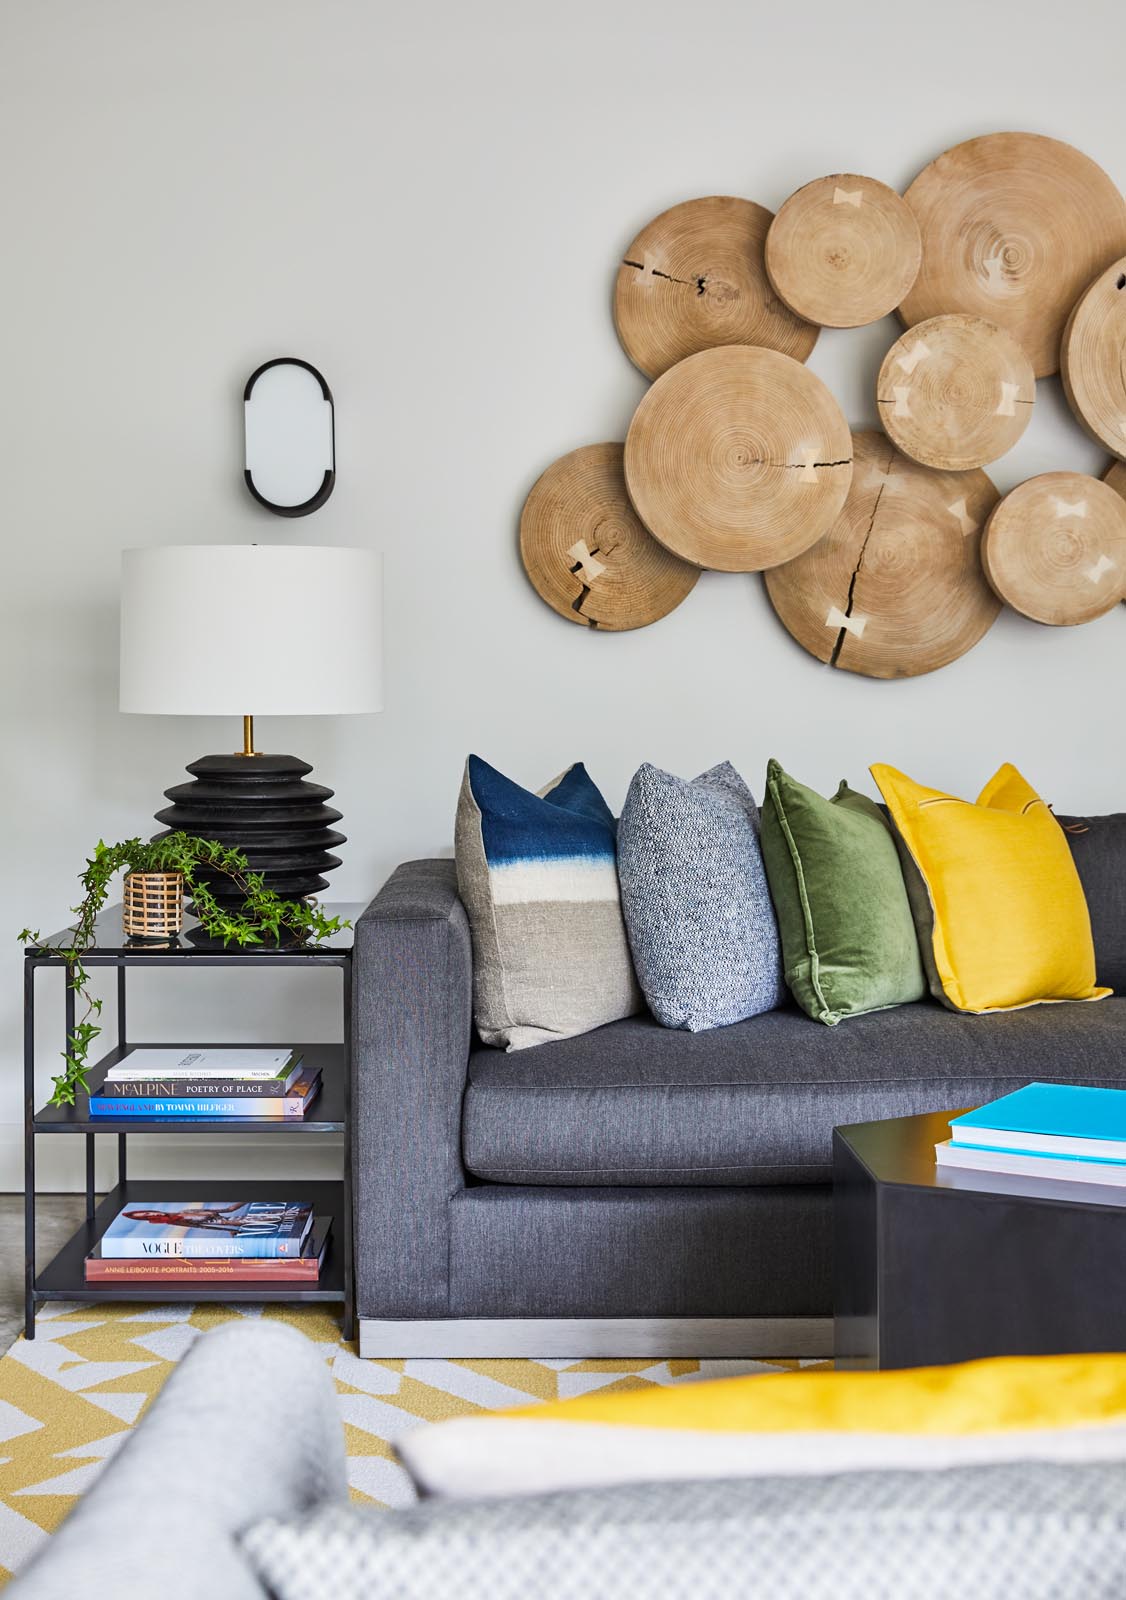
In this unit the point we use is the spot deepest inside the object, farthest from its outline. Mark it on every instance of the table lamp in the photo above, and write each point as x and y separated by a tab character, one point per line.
251	630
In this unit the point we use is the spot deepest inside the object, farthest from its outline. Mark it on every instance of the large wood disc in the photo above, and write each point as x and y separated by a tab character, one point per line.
1014	228
895	588
1055	548
955	392
588	554
843	251
695	278
738	458
1093	358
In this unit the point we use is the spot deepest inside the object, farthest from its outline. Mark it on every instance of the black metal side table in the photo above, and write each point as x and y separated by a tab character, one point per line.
64	1278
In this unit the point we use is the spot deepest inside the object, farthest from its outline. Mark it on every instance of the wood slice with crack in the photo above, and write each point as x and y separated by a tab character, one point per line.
955	392
694	278
896	587
843	251
1093	359
1014	228
738	458
586	551
1055	548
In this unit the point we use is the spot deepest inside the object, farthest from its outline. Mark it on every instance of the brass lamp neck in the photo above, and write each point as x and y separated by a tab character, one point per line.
248	738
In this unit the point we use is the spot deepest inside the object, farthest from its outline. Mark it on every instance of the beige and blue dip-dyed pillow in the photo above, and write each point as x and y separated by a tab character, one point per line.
538	876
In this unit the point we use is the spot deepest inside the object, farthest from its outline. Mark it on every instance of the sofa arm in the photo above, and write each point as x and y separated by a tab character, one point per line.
246	1427
412	1006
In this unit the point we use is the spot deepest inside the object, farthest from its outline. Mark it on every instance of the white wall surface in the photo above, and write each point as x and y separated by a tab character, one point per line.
429	202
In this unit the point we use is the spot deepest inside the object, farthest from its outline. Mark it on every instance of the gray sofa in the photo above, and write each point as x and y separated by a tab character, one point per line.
637	1190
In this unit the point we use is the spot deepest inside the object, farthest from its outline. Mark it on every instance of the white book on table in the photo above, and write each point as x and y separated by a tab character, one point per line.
1066	1169
231	1062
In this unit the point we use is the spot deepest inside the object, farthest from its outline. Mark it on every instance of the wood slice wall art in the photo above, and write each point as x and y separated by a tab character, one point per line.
1055	548
1014	227
588	554
955	392
896	587
695	277
1093	359
1006	260
843	251
738	458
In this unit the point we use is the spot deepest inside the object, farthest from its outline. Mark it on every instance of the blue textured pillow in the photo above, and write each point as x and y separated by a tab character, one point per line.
694	894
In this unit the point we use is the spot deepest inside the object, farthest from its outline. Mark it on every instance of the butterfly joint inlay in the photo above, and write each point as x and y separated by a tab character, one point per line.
1068	508
965	521
837	619
585	562
1006	406
848	197
910	359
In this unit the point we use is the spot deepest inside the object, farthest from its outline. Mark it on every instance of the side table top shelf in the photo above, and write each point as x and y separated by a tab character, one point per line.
111	944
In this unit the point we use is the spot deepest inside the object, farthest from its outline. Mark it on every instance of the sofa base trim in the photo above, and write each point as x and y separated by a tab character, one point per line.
581	1338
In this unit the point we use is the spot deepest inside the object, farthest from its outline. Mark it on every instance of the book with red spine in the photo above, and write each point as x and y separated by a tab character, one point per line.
304	1268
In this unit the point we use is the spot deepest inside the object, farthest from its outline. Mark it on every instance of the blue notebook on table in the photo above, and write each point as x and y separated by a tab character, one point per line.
1066	1120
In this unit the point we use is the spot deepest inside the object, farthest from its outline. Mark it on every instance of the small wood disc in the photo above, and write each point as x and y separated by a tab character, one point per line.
1055	548
1014	227
738	458
955	392
1093	359
895	588
695	278
843	251
588	554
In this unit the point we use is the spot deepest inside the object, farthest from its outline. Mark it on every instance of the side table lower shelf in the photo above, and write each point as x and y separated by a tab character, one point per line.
64	1278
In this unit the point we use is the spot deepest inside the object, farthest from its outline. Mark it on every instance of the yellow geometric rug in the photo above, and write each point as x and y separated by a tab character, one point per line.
70	1396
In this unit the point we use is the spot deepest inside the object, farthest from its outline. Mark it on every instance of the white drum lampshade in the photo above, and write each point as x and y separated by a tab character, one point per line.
218	630
246	630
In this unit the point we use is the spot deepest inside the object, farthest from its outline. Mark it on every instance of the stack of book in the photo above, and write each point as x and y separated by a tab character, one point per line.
185	1084
1045	1130
211	1241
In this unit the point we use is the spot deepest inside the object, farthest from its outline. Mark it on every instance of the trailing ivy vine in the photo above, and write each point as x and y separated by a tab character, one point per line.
264	916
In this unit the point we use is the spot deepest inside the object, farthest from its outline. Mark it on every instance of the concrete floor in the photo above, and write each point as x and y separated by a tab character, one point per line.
57	1216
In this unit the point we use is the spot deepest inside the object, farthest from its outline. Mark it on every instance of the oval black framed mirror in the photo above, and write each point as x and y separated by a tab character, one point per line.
290	437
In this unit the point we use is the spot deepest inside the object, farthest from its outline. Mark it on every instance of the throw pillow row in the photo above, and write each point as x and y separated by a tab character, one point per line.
980	903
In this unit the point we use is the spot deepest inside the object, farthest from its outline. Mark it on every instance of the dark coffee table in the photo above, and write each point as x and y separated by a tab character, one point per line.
935	1266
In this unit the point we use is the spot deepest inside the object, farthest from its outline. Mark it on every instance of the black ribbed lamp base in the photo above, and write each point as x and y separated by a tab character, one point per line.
262	806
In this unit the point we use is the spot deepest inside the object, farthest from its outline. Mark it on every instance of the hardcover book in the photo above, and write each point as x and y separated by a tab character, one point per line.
169	1088
305	1268
291	1105
230	1061
1020	1164
1050	1119
226	1229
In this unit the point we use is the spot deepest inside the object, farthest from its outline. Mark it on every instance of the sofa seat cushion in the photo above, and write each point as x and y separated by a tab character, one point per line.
756	1103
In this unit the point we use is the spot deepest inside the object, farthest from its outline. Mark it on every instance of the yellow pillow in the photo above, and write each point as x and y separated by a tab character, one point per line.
1004	916
1010	1408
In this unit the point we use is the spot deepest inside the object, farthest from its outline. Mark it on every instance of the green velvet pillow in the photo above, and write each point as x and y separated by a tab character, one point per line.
848	937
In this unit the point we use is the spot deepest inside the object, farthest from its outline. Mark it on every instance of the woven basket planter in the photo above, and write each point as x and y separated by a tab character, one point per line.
153	905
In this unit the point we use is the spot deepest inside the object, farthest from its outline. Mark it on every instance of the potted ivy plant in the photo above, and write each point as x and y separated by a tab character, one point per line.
264	916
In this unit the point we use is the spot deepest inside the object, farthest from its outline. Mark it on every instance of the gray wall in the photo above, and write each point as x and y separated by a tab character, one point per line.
429	202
